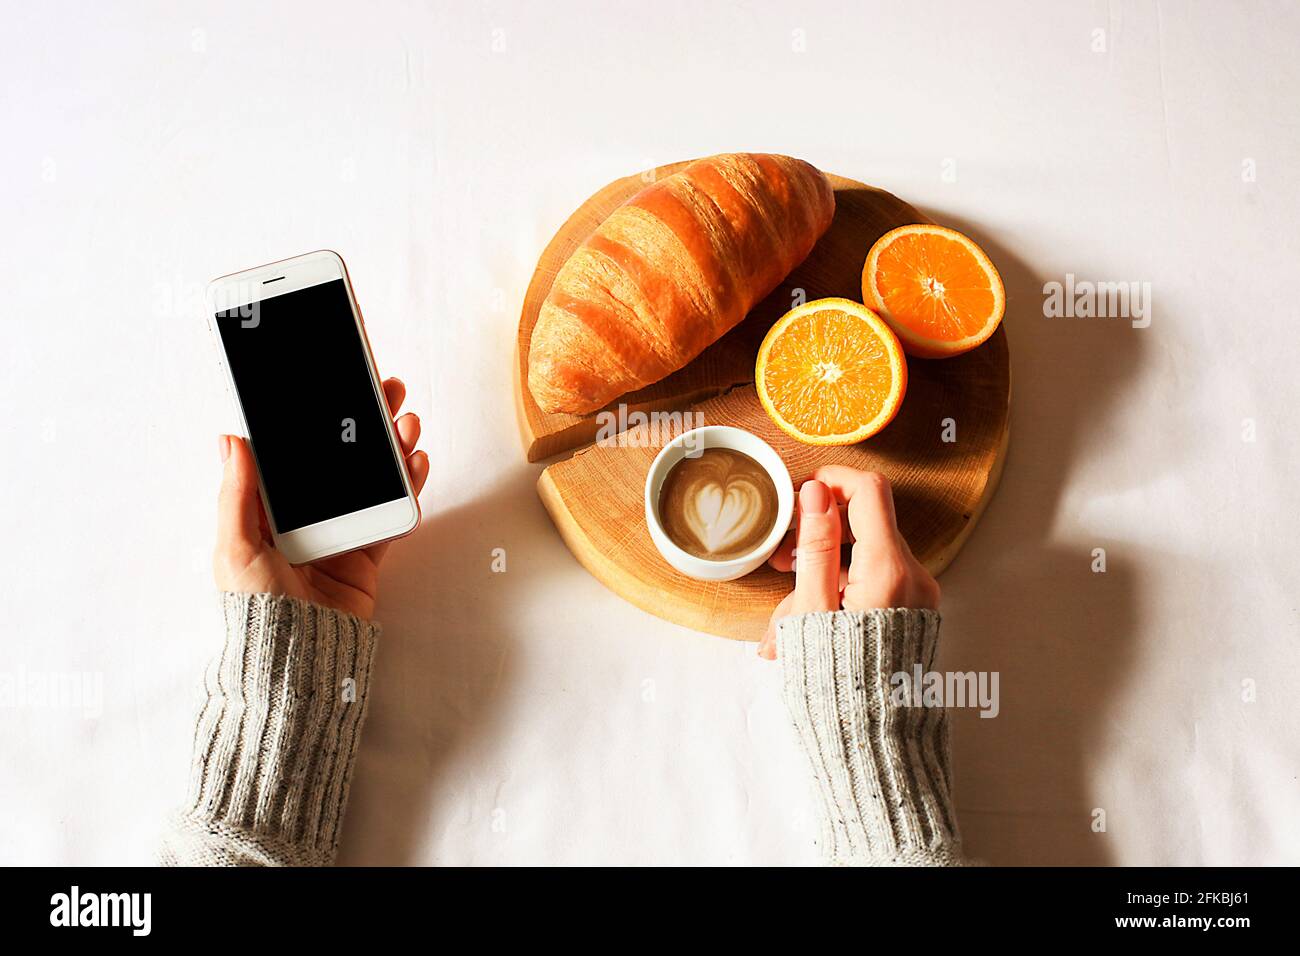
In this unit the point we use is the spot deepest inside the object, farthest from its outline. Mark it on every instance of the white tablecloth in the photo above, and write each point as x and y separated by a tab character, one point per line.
532	716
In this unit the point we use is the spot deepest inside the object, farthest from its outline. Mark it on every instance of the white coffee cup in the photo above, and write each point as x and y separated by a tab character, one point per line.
693	443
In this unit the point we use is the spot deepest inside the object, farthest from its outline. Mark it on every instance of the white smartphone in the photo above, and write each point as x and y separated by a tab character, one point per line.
299	368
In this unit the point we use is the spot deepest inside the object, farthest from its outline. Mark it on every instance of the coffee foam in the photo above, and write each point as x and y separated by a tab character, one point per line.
719	505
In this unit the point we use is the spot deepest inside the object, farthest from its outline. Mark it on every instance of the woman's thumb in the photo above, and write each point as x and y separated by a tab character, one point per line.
817	551
237	505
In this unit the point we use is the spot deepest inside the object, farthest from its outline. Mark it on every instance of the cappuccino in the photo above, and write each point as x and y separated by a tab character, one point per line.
718	505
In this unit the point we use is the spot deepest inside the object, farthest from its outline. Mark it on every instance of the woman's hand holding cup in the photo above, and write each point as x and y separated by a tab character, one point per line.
837	505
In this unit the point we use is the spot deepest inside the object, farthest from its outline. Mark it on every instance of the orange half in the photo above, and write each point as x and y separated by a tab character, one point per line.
830	372
937	290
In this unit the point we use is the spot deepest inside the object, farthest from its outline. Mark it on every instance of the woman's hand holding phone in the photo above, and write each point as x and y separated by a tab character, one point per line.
840	504
247	560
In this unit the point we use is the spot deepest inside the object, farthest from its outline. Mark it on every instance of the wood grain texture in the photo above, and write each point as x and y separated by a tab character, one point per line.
595	497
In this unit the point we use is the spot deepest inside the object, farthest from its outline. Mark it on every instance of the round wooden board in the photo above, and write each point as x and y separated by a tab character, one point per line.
595	497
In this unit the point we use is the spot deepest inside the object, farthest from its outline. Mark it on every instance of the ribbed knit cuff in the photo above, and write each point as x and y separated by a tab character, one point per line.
275	741
881	766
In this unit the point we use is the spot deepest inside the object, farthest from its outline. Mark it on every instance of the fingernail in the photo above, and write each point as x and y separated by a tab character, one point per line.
814	498
223	445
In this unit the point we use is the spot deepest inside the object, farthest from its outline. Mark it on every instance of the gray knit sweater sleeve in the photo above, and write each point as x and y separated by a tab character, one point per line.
880	766
276	737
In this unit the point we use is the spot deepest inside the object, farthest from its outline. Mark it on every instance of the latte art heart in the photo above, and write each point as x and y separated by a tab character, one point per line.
720	505
721	517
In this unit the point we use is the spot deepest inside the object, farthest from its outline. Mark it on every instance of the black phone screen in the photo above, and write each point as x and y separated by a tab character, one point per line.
316	425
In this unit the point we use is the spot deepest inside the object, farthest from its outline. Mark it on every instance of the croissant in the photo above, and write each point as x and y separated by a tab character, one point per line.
669	272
